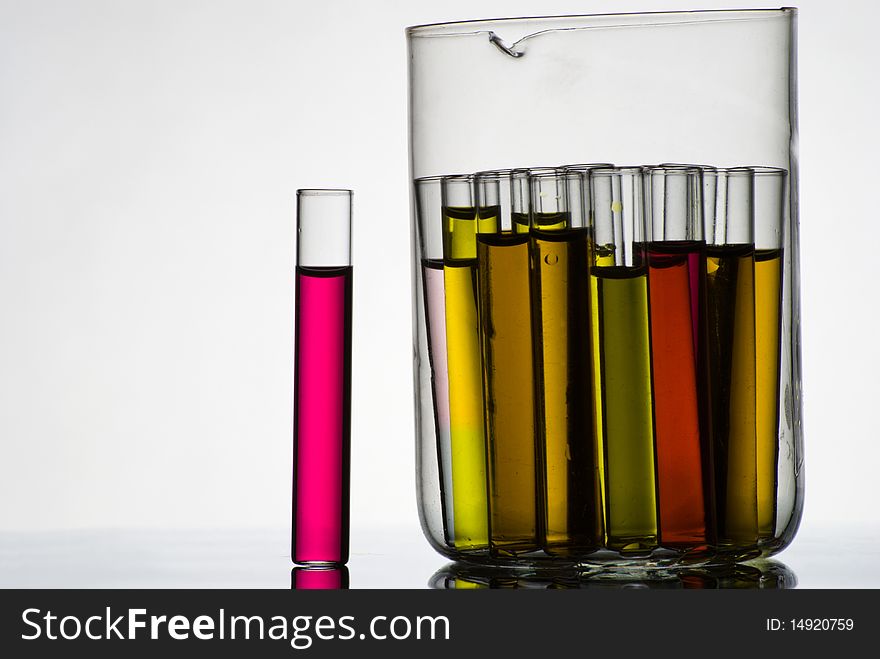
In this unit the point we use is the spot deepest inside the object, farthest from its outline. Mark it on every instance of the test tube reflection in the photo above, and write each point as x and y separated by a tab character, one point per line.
319	578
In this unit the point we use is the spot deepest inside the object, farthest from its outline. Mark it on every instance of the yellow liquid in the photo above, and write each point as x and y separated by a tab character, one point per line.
464	584
470	509
730	295
768	282
543	221
624	408
520	222
460	228
505	321
560	306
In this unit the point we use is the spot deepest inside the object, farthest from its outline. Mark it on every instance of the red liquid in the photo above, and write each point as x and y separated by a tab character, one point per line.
674	276
322	410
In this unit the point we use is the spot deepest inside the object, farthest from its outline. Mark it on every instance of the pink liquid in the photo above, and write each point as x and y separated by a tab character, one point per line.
435	303
310	578
322	410
435	312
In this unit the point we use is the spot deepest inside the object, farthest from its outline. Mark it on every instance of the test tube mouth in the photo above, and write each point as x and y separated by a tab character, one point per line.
552	173
497	173
531	172
649	169
738	170
587	166
541	171
514	171
762	170
323	227
616	171
684	165
324	192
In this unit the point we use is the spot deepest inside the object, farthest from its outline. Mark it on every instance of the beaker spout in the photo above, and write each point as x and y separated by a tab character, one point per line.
503	47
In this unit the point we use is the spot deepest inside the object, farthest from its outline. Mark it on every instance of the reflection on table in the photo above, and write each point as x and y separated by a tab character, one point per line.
319	578
770	574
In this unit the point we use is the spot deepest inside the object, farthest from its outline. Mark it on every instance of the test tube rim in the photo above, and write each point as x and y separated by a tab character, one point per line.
324	192
618	171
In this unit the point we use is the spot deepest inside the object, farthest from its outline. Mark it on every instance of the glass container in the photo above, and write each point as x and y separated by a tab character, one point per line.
607	357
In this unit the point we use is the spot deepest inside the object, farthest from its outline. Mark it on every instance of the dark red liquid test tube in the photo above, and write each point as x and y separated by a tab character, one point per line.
677	266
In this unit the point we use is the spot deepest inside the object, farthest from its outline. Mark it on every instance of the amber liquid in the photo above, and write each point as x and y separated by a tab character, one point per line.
677	344
572	513
624	406
505	324
730	303
768	303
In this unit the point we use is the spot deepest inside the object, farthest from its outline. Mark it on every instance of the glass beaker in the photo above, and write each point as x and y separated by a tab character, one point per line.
496	107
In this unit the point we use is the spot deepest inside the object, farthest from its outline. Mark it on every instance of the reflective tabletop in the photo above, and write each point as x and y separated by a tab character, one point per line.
386	558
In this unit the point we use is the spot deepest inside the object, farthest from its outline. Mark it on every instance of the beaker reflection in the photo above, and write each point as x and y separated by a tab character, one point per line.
319	578
765	574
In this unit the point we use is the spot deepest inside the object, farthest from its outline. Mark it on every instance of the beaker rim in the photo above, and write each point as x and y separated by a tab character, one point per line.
458	28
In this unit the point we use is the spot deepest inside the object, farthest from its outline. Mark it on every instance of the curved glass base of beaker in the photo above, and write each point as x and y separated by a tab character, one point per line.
602	558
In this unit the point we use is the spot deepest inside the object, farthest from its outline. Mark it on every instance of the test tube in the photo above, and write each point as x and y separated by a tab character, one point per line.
560	298
579	194
503	274
622	359
730	312
430	225
770	196
470	514
676	284
520	195
322	378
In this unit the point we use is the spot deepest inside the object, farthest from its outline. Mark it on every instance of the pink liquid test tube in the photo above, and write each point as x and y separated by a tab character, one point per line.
322	378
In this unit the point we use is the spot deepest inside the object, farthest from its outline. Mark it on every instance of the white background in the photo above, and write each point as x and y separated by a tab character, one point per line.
149	155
